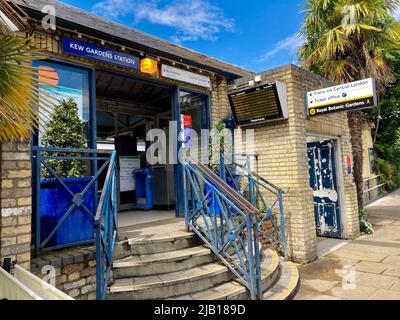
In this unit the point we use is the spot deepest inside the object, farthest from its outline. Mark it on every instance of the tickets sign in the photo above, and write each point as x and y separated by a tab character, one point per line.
345	97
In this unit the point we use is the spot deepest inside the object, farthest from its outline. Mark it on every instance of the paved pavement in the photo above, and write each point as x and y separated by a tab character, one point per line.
366	268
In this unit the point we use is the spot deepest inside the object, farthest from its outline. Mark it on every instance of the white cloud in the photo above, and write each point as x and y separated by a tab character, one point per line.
397	14
191	19
290	44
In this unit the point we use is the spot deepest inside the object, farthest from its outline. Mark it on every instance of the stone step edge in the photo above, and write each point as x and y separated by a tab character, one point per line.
116	288
289	289
158	239
270	271
125	263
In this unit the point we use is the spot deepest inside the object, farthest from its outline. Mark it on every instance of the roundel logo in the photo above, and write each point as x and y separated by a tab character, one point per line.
312	112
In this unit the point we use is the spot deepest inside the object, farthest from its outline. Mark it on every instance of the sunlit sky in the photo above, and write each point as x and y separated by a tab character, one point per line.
253	34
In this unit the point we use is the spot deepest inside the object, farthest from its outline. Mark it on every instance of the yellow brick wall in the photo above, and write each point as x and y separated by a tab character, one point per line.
16	201
283	160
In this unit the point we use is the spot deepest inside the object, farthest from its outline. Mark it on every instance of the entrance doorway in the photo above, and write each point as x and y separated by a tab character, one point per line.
324	182
127	109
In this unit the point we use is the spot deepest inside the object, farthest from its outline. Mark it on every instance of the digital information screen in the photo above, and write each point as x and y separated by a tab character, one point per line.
259	104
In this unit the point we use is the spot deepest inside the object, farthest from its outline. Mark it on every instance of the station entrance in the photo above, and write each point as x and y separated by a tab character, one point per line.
126	110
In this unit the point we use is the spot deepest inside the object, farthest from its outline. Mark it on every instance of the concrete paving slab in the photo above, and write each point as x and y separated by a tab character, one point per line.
393	261
393	271
357	293
326	246
322	286
372	267
375	258
376	280
382	294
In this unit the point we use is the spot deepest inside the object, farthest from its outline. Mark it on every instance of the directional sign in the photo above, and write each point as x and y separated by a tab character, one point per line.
345	97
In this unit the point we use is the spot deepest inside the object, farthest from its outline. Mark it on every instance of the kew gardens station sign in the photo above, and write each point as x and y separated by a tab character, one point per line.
346	97
90	51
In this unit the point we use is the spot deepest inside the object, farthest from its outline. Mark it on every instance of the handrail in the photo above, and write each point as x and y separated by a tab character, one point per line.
106	228
226	222
240	200
256	175
253	189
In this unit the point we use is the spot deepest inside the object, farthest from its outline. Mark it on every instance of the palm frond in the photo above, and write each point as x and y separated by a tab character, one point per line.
22	102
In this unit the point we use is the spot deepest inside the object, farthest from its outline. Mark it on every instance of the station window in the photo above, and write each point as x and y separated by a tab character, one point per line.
62	81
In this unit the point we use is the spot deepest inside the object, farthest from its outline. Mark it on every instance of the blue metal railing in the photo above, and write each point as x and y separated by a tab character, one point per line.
263	195
44	159
226	222
106	228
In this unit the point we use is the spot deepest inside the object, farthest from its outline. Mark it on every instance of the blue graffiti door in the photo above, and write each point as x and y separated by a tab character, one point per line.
323	181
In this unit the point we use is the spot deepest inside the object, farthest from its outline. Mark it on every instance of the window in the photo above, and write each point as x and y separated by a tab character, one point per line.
63	81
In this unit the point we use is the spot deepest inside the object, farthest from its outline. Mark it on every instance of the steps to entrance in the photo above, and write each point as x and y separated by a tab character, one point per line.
172	284
160	263
167	262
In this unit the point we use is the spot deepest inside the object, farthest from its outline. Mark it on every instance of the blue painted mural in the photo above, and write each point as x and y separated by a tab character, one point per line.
323	181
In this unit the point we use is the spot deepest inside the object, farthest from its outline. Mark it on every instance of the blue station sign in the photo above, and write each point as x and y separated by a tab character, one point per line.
88	50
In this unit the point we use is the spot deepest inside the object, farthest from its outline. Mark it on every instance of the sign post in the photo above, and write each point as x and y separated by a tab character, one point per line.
346	97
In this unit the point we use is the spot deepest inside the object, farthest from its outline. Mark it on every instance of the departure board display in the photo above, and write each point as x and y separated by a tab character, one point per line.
257	104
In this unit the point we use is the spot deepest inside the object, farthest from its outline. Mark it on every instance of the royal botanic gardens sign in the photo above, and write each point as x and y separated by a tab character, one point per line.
345	97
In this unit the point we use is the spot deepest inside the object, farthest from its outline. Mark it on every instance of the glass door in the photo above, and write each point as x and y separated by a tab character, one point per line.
191	112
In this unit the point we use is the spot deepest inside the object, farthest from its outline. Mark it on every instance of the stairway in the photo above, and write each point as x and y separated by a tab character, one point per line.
164	261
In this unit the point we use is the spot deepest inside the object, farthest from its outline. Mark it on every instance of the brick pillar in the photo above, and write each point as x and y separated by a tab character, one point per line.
16	203
220	108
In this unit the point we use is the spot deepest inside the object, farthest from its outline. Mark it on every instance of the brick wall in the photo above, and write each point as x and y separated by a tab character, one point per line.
16	209
282	150
219	100
75	271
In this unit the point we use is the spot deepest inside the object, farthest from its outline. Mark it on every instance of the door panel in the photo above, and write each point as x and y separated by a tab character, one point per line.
323	181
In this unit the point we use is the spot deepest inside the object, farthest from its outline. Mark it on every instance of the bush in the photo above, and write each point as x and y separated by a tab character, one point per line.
365	226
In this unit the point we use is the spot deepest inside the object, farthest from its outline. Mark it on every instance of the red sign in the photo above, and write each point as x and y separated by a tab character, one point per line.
187	121
348	165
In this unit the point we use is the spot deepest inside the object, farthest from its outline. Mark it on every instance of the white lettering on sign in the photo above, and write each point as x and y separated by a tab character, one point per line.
185	76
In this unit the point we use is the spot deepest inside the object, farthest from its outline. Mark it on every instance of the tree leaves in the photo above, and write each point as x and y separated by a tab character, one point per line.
65	130
21	101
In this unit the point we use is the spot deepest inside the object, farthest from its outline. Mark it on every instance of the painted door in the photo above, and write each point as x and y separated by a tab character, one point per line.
323	181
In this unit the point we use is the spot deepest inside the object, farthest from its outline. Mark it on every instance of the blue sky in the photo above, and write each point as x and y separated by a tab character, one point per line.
254	34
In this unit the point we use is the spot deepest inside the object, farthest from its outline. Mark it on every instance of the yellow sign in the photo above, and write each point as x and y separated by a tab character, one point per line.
149	66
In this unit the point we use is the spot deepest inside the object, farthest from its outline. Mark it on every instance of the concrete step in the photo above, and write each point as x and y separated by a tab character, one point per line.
161	263
233	290
287	285
168	285
155	243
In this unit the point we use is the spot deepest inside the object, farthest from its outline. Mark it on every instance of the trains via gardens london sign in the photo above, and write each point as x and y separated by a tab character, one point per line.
346	97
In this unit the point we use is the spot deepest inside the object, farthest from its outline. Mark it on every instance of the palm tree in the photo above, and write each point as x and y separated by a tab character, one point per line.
21	99
345	40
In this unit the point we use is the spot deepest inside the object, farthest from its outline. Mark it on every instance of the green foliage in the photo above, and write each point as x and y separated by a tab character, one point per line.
20	97
65	130
220	143
388	136
345	40
365	225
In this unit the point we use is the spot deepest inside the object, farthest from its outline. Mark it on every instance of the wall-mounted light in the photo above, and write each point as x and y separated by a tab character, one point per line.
149	66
